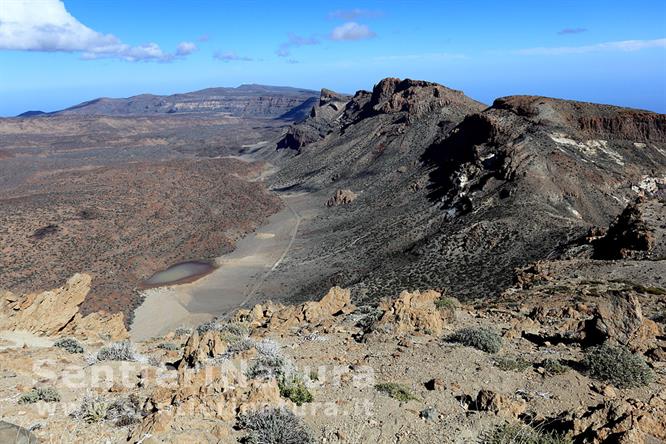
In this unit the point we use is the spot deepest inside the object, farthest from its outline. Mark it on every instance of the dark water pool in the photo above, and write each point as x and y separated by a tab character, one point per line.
179	273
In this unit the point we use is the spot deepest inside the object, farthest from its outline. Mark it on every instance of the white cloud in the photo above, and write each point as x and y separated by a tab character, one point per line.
185	48
230	56
353	14
351	31
295	41
567	31
624	45
46	25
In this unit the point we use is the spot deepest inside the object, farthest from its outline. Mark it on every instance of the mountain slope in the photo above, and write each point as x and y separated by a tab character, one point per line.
453	196
243	101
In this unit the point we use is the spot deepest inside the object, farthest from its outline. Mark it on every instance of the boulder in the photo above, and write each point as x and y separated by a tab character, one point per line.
411	312
335	301
490	401
13	434
199	349
619	319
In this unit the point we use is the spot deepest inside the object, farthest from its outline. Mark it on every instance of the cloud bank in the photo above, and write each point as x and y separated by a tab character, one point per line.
623	46
351	31
46	25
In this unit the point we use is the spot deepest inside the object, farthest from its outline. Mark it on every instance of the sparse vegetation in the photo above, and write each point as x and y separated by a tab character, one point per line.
294	389
71	345
512	363
395	391
46	394
275	425
480	338
170	346
523	434
618	366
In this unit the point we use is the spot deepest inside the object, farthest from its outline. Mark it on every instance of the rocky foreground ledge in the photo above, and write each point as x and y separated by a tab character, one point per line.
555	360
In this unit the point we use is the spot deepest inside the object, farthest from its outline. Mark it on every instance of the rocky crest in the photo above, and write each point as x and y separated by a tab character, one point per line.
56	312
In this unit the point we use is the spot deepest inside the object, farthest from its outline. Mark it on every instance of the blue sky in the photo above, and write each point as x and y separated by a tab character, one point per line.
53	55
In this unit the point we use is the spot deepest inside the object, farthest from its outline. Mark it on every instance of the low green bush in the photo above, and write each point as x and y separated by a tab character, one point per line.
512	363
71	345
46	394
295	390
480	338
275	426
395	391
553	366
618	366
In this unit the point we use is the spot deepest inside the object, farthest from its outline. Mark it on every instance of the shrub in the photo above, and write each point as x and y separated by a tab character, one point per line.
618	366
232	328
395	391
270	362
69	344
207	326
553	366
170	346
275	425
239	345
295	390
511	363
46	394
182	331
92	409
266	367
447	303
125	411
118	351
523	434
479	338
235	329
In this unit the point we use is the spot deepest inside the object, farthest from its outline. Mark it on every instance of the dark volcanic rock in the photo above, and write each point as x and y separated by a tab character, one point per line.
319	123
454	195
639	232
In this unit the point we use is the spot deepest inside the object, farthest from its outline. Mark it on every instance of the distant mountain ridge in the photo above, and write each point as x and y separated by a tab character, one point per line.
260	101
